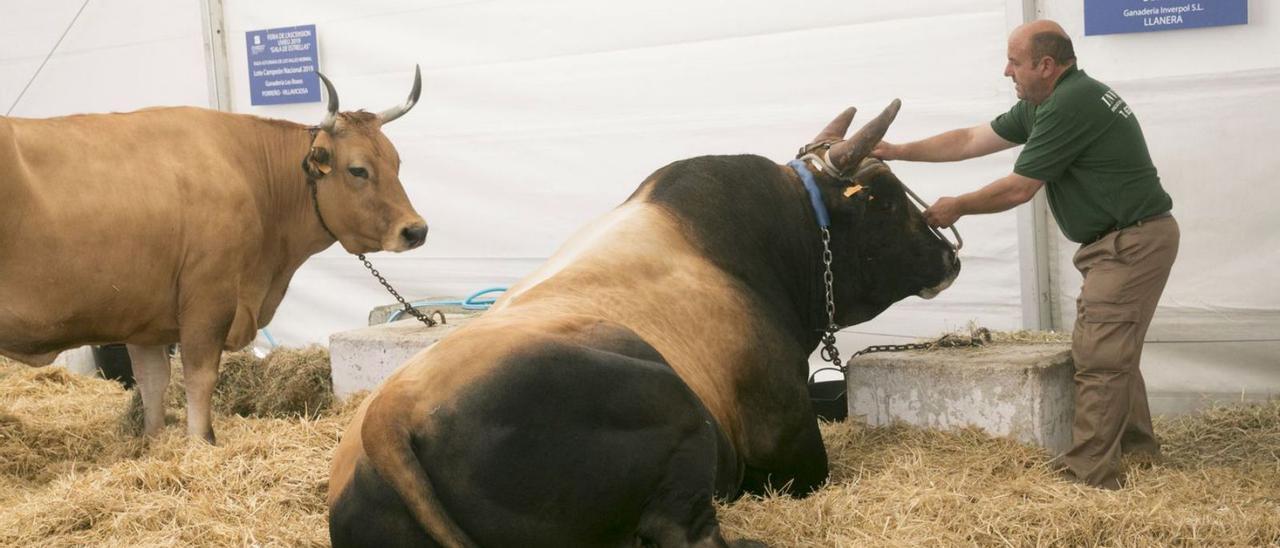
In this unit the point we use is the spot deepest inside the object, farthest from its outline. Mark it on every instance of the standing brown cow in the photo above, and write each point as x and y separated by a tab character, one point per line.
182	225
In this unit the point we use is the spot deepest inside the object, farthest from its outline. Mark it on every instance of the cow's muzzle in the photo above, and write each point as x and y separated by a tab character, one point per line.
952	271
413	236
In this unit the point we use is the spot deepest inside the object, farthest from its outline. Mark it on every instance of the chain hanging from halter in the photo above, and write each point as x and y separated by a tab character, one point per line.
829	351
409	309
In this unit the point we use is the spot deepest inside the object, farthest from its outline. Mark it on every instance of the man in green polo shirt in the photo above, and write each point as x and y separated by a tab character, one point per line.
1083	144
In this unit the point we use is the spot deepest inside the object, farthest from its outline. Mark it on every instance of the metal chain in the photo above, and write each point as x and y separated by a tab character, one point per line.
829	351
424	318
980	337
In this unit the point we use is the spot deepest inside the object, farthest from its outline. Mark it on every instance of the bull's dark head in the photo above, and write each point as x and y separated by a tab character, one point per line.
882	250
357	173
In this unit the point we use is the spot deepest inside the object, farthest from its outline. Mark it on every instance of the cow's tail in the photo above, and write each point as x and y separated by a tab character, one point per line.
386	436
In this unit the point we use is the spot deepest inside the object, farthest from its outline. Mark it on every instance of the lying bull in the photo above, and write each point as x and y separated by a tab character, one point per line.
658	360
182	225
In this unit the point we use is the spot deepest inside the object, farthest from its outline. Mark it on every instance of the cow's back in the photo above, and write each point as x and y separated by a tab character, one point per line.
103	212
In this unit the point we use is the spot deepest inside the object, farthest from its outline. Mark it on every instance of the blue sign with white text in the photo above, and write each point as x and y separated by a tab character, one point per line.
282	65
1120	16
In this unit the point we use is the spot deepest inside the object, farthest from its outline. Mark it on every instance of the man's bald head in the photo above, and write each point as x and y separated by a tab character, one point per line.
1044	38
1039	53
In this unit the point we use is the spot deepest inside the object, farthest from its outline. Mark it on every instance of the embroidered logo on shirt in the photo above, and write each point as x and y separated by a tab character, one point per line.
1116	104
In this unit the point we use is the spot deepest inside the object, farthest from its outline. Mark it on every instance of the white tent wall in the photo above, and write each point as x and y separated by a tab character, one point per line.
120	55
539	116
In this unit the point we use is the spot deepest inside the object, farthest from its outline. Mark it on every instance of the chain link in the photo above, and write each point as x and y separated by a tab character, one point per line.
829	351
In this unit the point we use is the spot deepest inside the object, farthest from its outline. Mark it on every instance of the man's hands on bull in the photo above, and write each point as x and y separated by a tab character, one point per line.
944	212
886	151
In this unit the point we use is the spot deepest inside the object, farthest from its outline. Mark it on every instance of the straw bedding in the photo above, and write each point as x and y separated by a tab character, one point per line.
71	475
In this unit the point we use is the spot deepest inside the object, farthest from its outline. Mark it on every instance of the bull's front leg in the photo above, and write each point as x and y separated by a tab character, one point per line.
151	371
795	463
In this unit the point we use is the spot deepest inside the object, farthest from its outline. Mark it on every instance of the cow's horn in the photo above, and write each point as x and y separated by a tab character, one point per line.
849	153
836	129
397	111
330	119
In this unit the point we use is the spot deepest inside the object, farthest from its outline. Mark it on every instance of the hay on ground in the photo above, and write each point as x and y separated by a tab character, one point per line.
69	477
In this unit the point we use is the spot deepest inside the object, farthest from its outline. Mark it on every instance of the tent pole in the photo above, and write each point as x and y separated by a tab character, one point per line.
215	54
1036	258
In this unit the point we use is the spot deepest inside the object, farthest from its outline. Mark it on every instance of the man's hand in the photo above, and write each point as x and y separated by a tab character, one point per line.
885	150
943	213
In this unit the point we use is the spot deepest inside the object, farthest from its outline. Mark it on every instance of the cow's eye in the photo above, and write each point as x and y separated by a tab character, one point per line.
358	172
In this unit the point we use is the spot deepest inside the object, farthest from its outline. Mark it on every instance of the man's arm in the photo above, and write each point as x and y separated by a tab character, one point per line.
954	145
1003	194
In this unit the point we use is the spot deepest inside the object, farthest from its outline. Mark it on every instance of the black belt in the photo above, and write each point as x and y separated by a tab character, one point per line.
1138	223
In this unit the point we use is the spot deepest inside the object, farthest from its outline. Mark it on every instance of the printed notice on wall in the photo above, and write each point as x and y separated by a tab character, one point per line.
1120	16
282	65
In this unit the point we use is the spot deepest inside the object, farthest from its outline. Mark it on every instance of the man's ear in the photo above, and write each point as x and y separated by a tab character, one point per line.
318	159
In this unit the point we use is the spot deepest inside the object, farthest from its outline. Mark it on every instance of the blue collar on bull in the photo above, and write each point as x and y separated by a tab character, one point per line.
815	195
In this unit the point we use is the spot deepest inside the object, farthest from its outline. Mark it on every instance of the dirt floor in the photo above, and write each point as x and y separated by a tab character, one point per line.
72	473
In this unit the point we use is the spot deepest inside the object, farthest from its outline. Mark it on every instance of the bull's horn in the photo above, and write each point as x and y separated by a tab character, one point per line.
849	153
330	119
835	130
392	113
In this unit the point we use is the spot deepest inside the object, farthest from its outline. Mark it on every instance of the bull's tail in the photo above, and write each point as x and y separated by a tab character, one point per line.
386	435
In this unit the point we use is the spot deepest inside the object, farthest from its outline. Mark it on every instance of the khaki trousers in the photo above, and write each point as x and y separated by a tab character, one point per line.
1124	274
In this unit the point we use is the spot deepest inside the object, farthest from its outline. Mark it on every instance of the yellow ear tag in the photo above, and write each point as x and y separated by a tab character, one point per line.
852	190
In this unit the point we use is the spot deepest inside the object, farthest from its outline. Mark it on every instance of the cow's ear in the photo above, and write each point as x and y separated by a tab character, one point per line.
318	162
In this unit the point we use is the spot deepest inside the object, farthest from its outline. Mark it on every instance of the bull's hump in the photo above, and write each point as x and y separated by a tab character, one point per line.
633	234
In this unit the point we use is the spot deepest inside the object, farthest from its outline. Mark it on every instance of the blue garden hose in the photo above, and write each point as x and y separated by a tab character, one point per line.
469	303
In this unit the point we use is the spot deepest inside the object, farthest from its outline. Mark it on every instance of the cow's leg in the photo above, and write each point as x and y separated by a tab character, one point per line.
203	333
200	375
796	465
151	372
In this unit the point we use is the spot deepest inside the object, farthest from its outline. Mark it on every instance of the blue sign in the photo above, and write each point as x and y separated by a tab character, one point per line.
1119	16
282	65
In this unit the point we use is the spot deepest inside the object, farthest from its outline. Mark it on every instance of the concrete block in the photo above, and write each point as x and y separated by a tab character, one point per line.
1023	391
362	358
